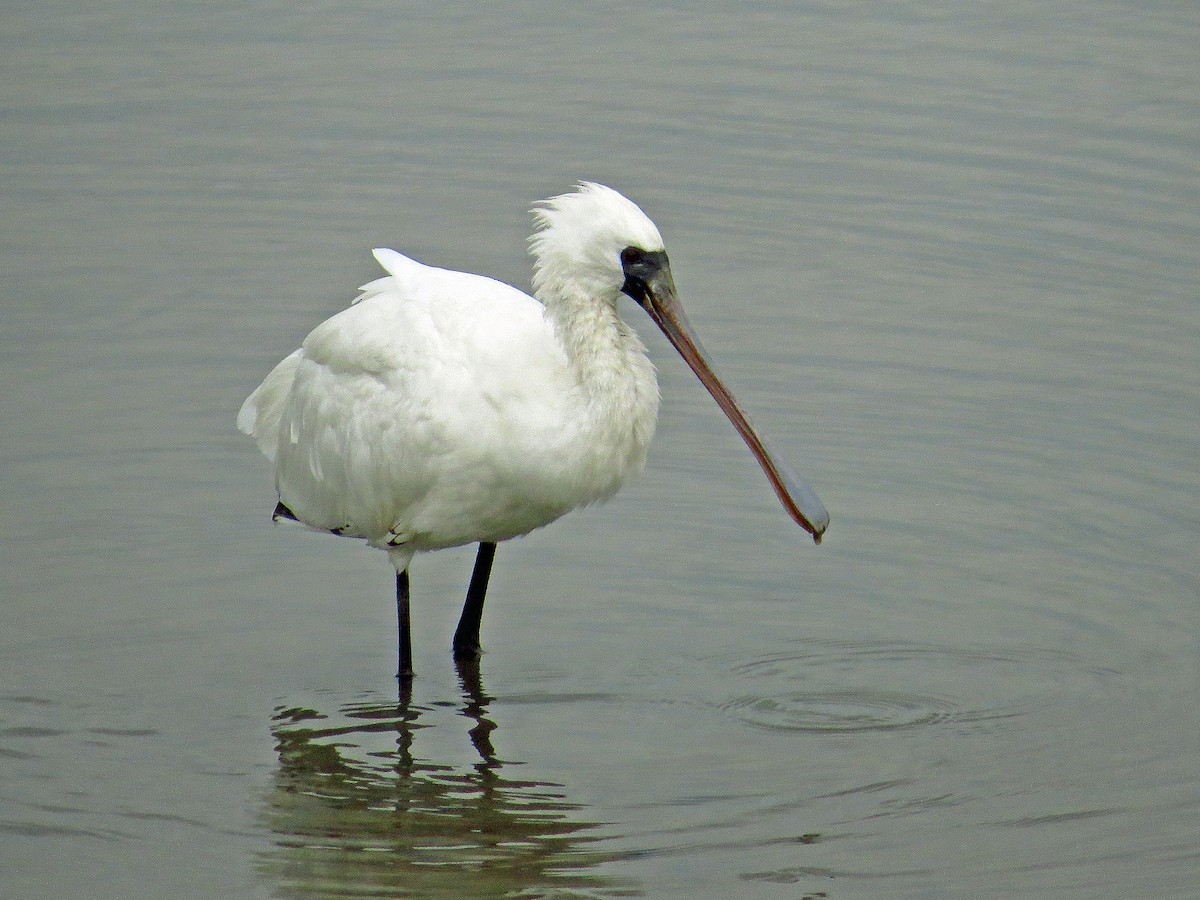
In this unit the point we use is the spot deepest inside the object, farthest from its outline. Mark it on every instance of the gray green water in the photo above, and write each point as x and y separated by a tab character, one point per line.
946	255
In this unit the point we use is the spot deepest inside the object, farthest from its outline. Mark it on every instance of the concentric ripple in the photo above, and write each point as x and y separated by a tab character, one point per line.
868	686
839	710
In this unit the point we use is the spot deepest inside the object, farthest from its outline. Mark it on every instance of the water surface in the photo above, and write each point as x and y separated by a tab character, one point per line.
946	255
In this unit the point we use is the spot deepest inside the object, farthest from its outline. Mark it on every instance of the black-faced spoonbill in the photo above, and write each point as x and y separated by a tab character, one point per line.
444	408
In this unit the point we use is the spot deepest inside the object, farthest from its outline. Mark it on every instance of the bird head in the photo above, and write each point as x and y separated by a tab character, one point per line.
581	238
593	245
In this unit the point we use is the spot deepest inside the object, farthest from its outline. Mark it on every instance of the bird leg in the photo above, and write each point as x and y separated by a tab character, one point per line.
466	636
405	671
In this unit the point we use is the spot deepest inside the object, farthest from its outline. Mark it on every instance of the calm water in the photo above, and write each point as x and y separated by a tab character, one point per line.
947	255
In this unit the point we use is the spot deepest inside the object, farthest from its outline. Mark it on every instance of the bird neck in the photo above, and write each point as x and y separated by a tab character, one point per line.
614	377
601	348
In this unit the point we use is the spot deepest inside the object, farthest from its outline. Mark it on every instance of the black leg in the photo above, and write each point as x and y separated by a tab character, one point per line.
466	636
405	671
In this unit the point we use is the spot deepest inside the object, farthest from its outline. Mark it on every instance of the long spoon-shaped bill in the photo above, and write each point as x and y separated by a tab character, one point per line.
652	286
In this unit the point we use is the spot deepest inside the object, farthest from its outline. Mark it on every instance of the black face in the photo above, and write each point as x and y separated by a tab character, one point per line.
640	267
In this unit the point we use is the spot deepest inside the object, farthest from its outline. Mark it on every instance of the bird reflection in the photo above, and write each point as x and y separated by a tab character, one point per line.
355	811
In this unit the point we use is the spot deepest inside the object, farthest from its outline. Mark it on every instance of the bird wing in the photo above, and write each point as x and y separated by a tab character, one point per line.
406	414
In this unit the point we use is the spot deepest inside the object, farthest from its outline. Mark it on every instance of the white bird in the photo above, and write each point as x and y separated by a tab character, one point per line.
444	408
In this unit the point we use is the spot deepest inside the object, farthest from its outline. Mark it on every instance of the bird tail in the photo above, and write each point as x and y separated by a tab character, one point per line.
262	412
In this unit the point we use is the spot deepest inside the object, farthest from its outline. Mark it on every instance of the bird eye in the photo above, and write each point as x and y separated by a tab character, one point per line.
632	255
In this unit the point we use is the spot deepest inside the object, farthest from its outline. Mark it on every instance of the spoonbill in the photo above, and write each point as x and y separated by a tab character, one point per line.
442	408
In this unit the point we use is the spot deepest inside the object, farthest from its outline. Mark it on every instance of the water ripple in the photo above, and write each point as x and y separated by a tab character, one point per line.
879	686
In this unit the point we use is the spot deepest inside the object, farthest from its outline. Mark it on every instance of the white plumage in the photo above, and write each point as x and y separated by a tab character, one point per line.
444	408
